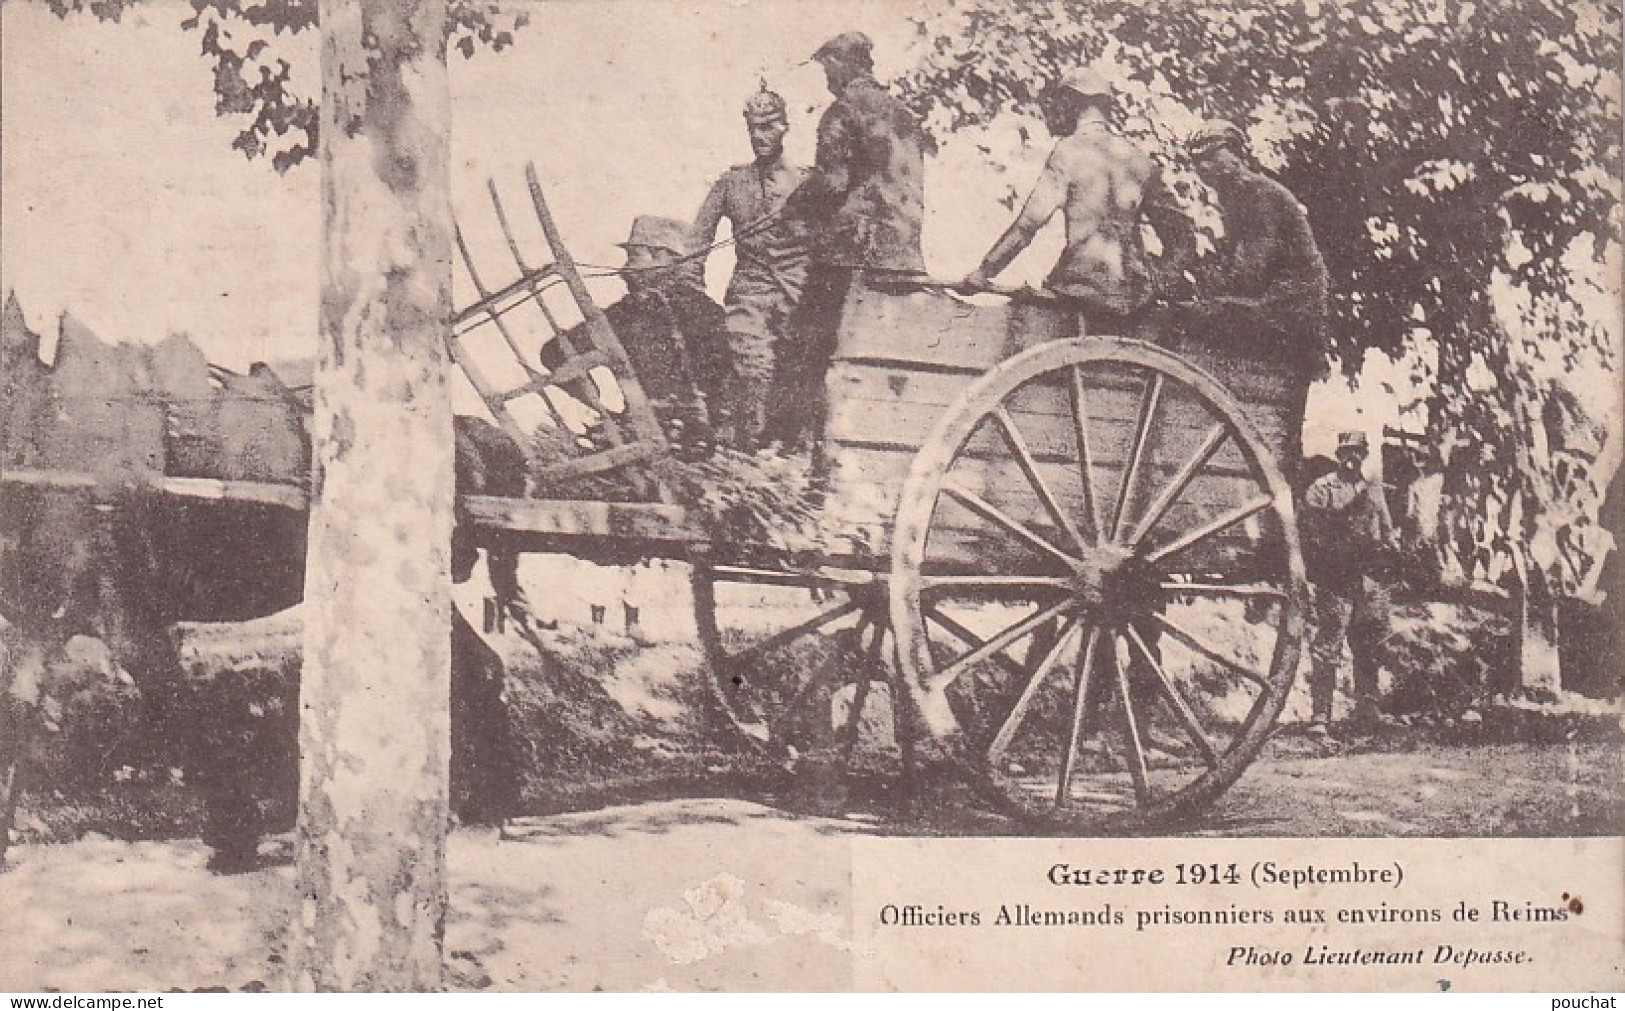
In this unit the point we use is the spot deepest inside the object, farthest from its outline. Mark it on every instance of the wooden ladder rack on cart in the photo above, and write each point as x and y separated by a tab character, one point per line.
635	438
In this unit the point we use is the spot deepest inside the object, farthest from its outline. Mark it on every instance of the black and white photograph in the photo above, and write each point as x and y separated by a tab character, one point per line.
568	495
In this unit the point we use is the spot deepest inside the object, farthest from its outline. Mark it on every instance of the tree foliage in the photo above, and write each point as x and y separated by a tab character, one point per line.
1446	151
253	82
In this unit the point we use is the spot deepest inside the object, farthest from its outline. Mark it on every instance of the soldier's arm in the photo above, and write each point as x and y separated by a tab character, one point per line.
704	230
712	211
1321	494
1047	197
831	174
1161	210
1385	519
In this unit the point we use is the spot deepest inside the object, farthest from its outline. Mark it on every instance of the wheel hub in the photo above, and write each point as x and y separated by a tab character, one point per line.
1115	586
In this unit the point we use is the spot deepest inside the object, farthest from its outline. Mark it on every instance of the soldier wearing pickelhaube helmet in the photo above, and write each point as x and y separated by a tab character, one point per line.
771	269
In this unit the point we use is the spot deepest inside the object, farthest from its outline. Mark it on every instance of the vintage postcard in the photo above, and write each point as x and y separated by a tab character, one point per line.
821	496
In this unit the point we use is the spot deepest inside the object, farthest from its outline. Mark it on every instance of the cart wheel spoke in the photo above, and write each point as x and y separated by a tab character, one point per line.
1018	712
1217	524
973	640
816	680
1080	695
1013	633
1029	467
988	510
874	659
1133	743
814	624
1240	590
1080	429
1136	457
1216	437
1182	707
1207	649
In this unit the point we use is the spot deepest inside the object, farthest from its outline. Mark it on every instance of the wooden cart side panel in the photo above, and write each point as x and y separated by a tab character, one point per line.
903	360
886	406
938	332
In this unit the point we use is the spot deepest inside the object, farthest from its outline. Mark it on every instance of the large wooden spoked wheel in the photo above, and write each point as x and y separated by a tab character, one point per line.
1096	584
793	651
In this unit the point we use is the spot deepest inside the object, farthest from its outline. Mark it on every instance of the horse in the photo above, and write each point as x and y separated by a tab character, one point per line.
112	555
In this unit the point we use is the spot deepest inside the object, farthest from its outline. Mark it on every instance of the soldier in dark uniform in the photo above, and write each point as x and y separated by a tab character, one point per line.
675	335
771	269
1348	538
1263	293
864	203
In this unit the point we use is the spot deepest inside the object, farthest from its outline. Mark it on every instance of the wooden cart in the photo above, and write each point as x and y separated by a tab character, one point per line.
1068	560
1071	560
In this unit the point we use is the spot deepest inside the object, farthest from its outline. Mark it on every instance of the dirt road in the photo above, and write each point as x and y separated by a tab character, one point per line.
706	893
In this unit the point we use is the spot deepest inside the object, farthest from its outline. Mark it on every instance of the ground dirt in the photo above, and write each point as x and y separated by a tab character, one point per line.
650	837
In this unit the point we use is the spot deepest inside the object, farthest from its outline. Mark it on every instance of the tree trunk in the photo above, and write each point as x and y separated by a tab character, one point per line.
374	738
1539	660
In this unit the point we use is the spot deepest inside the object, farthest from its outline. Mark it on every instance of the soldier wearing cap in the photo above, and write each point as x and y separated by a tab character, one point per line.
864	203
1263	292
771	269
1348	538
1104	185
672	331
677	342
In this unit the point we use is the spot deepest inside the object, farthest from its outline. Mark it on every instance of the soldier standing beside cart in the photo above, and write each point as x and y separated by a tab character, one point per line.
1348	537
771	269
865	204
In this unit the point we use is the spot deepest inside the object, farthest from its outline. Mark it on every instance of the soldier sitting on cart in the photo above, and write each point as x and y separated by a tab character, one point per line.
771	269
676	339
1263	292
673	332
1104	185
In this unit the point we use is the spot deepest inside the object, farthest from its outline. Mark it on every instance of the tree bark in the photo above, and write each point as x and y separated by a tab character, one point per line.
374	737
